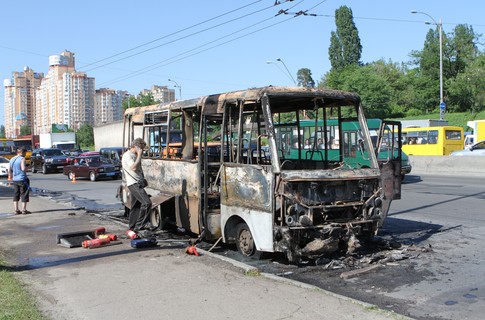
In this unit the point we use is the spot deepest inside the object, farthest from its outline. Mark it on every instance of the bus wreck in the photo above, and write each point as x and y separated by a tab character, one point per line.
227	177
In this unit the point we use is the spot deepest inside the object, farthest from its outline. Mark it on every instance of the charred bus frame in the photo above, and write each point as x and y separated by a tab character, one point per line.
228	179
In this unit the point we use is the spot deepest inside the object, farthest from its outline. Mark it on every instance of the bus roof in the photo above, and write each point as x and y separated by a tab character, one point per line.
282	98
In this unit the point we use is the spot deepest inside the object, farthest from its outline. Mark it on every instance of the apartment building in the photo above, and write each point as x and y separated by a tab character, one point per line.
160	93
108	106
65	95
19	100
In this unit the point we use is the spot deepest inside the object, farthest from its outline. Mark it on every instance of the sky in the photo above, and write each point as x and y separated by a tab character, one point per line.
211	46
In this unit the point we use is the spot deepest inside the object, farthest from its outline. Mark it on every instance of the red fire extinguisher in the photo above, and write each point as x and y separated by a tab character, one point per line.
110	236
131	234
96	243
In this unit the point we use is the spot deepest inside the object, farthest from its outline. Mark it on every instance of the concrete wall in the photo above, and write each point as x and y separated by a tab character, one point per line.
111	135
448	165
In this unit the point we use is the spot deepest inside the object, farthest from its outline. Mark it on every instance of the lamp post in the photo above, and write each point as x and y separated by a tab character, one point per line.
440	29
177	86
294	82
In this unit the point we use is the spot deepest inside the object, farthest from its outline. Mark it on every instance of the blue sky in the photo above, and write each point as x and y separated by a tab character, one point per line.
210	46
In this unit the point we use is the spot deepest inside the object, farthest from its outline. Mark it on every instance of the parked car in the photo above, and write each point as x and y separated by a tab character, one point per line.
48	160
477	149
4	163
88	153
93	168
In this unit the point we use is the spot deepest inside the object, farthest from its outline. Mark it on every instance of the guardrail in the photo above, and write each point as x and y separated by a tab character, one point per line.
448	165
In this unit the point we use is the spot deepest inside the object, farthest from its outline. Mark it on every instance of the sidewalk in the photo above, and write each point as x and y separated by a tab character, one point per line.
119	282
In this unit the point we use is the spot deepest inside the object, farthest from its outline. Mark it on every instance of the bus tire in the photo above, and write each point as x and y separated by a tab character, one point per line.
245	241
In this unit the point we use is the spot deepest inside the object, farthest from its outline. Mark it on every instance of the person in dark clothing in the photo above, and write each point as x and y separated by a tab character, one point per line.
133	173
17	172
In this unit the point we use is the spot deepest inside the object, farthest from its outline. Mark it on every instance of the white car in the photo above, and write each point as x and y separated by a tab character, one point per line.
477	149
4	163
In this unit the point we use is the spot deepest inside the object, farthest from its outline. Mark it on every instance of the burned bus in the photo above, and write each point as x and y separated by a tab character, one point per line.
228	177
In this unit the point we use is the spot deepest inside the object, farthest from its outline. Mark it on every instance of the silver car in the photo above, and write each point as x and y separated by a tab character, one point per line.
477	149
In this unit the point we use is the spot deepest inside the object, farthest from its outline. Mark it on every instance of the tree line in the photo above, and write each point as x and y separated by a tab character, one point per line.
390	89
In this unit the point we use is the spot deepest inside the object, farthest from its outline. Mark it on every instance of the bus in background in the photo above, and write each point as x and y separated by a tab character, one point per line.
353	152
432	141
28	142
7	148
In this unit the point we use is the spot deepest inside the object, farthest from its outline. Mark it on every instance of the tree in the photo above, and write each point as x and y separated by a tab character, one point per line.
467	89
2	131
462	49
304	78
85	136
25	130
345	47
140	101
373	88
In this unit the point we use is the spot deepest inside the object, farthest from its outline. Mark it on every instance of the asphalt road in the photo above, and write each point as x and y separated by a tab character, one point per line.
437	273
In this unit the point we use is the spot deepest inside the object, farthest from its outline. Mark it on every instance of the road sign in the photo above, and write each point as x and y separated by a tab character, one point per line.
442	106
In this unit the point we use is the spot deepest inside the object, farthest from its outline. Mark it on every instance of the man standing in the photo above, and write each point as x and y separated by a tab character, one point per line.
133	173
17	171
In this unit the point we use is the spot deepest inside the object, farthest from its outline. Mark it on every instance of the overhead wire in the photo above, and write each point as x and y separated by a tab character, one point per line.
151	67
162	63
184	37
171	34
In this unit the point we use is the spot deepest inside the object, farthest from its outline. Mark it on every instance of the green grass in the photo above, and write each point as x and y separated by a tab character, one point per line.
15	302
454	119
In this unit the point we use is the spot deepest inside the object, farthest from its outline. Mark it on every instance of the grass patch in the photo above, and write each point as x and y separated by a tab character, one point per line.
253	272
15	302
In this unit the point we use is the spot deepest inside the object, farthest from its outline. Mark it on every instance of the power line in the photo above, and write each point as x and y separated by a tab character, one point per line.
184	37
171	34
162	63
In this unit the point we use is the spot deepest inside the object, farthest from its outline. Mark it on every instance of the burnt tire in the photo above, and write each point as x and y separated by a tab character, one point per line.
32	168
155	218
70	176
44	169
92	176
245	241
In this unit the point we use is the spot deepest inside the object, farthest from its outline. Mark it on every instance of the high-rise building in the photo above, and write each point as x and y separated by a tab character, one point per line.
107	106
160	93
65	95
20	96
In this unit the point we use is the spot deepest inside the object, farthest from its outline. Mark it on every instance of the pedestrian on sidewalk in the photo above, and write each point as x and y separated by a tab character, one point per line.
17	172
136	183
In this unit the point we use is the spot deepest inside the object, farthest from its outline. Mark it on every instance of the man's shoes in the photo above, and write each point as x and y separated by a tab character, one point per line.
18	212
26	212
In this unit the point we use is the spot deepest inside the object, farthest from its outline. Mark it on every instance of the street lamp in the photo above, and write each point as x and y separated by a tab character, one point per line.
287	70
440	29
177	86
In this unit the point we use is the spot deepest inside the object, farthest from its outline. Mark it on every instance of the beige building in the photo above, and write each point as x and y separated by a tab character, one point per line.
65	96
107	106
160	93
19	104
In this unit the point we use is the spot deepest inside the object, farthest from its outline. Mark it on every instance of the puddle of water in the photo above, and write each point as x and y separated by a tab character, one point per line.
37	262
47	227
469	296
451	302
3	215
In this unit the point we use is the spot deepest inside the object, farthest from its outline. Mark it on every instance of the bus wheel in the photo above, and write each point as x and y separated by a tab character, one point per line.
156	217
244	240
